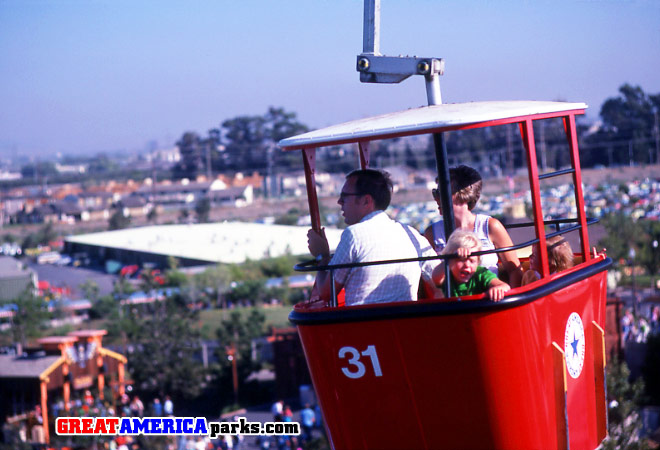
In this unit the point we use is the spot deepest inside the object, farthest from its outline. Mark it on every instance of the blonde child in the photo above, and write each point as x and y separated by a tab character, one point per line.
467	276
560	257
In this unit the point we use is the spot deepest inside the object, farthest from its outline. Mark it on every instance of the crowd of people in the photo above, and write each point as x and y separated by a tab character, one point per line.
310	419
638	329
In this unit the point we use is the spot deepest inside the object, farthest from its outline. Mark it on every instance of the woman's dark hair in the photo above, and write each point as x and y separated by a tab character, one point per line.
465	185
373	182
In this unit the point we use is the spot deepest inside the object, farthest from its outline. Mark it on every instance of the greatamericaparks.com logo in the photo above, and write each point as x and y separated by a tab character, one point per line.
195	426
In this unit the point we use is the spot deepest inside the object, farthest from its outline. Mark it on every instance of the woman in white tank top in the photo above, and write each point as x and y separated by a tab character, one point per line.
466	189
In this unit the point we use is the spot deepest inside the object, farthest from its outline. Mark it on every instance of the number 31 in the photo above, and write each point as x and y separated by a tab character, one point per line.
354	362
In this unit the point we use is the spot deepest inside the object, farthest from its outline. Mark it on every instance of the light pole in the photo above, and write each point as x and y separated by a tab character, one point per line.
231	356
631	256
655	250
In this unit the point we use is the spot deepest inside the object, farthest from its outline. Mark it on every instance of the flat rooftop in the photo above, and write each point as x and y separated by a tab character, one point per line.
225	242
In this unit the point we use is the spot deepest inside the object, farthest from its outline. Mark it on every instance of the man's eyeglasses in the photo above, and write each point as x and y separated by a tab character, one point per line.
343	195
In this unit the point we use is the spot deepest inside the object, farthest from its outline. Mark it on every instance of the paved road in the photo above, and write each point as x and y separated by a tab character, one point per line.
73	277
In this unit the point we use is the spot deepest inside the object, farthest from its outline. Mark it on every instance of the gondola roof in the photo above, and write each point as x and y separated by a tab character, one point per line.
428	119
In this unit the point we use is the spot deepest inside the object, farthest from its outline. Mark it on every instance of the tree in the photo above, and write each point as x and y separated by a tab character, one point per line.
122	287
289	218
203	210
252	291
193	156
118	220
281	124
624	422
44	236
624	234
621	233
173	276
164	339
184	215
411	159
152	215
90	289
280	266
250	141
101	164
626	136
246	144
39	170
29	318
104	308
649	245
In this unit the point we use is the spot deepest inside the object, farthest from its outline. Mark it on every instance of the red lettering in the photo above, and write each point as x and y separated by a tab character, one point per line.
62	425
74	425
99	426
87	424
111	424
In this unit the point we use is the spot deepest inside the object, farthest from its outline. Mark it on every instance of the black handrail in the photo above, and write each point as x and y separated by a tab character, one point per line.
305	266
556	174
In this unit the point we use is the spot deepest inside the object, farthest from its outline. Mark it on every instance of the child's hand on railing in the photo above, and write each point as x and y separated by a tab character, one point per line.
497	290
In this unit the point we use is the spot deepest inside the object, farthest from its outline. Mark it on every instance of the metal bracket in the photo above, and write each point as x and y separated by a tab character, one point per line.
394	69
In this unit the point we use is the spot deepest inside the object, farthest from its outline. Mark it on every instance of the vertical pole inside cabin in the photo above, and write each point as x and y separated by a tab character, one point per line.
442	164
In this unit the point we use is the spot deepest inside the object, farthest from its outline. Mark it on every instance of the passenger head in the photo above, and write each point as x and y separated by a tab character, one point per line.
462	269
461	238
465	185
560	255
375	183
364	192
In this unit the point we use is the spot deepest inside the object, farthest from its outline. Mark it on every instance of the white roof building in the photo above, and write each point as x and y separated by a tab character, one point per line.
226	242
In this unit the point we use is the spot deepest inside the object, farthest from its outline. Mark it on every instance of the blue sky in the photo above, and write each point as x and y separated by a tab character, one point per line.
89	76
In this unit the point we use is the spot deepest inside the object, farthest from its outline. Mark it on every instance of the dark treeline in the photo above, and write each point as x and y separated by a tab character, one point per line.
626	133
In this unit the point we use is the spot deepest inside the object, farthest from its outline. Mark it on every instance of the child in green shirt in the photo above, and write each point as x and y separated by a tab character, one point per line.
467	277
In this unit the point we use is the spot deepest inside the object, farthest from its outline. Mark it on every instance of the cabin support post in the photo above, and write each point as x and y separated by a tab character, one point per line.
571	135
444	187
309	162
527	132
364	154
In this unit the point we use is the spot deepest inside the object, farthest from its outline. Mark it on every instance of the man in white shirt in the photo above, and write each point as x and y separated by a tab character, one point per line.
372	236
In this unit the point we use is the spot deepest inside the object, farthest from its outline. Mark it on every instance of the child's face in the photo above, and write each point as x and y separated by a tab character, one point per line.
463	268
534	261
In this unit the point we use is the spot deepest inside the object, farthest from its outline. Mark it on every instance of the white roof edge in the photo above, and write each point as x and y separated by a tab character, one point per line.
423	119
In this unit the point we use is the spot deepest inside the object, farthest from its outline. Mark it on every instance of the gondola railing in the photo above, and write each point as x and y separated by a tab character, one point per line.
312	266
